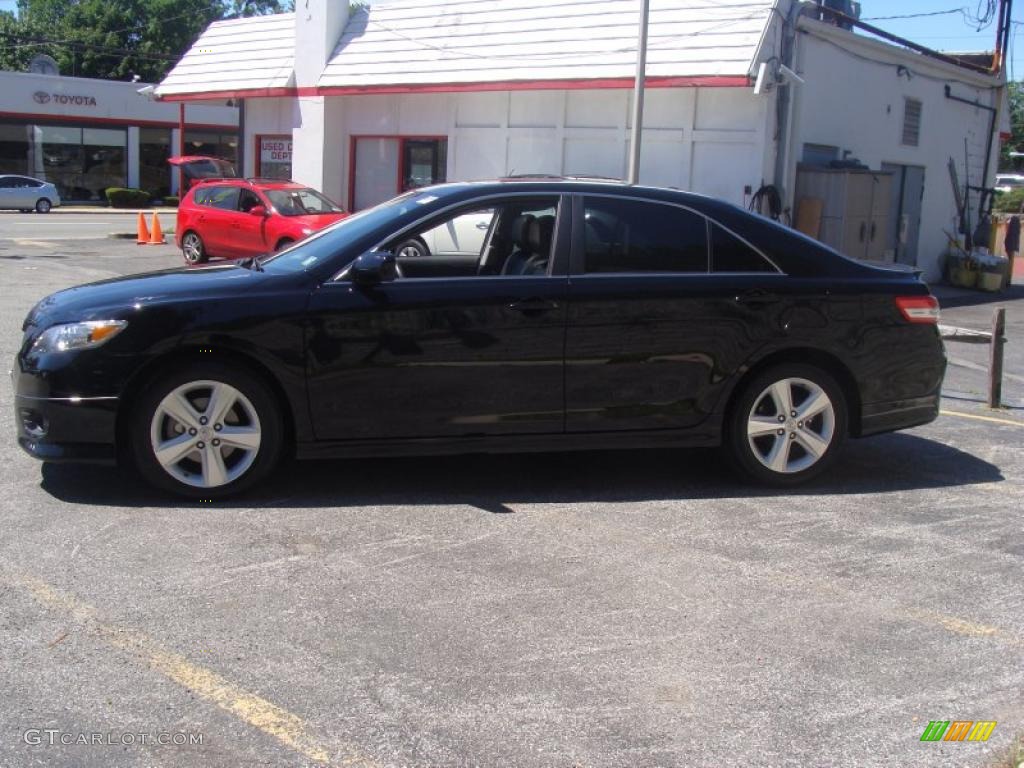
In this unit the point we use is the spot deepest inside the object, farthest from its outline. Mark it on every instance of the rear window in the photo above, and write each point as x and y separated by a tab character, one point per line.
730	254
641	236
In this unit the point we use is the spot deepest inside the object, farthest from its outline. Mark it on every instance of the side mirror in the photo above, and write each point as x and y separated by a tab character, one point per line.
374	268
258	210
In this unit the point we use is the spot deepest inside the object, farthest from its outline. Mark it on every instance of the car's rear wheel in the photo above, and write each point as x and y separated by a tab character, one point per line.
787	424
413	248
283	243
192	248
43	205
206	432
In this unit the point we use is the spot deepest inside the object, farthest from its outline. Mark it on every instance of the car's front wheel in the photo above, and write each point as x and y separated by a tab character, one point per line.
787	424
208	431
192	248
43	205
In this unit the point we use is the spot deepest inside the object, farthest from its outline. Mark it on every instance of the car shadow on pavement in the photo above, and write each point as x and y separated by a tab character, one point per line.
884	464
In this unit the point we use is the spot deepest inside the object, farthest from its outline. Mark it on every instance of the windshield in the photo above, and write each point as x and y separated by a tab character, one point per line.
301	202
358	232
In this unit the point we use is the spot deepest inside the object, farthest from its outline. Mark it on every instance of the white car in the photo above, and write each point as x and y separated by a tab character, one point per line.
1007	182
23	193
461	236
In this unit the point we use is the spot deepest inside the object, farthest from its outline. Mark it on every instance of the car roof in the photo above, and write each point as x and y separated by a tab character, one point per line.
255	182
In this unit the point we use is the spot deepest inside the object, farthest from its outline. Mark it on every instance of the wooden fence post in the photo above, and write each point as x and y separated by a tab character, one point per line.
995	368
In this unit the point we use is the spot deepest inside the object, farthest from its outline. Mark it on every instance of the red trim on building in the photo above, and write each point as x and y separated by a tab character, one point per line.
611	83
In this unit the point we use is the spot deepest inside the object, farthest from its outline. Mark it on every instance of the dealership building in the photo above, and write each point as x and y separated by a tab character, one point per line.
853	134
86	135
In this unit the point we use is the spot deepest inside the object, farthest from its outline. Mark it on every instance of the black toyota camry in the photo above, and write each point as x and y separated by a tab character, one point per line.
486	317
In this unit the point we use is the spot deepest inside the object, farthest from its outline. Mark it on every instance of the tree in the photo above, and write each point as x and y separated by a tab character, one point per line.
114	39
1015	94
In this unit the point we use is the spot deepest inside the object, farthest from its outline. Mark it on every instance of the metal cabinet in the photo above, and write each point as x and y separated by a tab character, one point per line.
855	216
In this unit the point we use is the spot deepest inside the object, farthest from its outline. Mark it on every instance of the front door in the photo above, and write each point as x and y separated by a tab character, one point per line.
459	348
905	210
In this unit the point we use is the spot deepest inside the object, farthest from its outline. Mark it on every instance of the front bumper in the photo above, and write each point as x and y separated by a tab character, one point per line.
67	428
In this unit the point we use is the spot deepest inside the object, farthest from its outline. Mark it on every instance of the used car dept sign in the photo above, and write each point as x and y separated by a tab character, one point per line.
276	150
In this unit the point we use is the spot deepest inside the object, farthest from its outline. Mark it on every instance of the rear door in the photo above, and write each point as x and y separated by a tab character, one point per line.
218	205
653	333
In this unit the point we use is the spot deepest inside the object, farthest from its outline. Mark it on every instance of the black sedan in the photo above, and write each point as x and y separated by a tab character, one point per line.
587	315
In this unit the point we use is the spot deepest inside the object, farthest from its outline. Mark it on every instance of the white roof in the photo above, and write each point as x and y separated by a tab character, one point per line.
257	52
409	42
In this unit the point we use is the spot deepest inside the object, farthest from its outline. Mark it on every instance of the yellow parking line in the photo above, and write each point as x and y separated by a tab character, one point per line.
978	417
284	726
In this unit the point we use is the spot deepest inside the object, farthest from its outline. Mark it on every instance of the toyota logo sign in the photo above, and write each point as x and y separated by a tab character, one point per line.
41	97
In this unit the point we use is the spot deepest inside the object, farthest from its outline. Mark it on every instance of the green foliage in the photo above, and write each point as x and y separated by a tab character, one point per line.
1015	93
119	197
155	33
1009	202
171	201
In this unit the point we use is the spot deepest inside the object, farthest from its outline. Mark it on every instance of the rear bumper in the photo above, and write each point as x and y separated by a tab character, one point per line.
899	414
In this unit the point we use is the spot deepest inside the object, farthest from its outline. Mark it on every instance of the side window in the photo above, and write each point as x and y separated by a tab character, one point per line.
513	238
247	200
7	183
218	197
730	254
641	236
26	182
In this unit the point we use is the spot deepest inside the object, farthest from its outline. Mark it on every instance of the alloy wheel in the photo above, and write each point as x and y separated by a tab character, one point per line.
791	425
192	247
205	434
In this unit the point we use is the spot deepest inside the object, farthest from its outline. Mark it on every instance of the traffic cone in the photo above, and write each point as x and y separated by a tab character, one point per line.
143	236
156	236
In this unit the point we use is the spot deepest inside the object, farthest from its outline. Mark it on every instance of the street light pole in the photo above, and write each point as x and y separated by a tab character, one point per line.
638	95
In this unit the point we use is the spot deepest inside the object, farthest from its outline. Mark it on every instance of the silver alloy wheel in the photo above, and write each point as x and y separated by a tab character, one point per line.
43	205
791	425
192	247
410	252
205	434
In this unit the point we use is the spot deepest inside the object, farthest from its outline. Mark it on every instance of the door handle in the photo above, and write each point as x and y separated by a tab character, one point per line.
874	229
863	231
533	306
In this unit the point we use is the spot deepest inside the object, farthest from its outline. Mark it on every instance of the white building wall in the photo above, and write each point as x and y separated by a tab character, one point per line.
834	108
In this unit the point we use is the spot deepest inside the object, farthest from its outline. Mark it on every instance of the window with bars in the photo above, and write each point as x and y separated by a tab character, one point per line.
912	109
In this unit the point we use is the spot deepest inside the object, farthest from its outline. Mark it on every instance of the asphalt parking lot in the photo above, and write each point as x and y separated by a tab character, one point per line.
554	610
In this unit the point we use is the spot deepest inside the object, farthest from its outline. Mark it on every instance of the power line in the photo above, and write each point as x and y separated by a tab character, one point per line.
25	41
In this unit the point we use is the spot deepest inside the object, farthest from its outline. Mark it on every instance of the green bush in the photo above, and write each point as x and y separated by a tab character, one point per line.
1009	202
171	201
119	197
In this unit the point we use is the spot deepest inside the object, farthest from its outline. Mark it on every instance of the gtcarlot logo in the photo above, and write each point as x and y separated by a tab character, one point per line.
52	736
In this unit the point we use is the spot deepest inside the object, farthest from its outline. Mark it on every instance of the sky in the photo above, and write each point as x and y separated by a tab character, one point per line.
948	32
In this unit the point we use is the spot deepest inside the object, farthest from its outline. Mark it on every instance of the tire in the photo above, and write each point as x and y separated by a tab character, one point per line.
169	416
43	205
193	249
413	248
284	243
808	443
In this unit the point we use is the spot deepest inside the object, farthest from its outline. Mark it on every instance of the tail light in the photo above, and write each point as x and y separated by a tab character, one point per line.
919	309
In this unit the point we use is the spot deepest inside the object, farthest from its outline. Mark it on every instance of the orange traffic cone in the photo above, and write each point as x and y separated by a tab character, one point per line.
156	236
143	236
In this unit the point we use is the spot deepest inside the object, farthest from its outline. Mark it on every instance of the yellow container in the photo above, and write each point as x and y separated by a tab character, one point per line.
963	277
990	281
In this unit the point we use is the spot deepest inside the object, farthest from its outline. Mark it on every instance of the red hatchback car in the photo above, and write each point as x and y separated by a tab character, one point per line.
239	218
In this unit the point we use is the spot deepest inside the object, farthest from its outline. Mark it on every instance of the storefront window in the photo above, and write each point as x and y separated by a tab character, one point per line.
154	172
14	146
81	162
275	157
223	145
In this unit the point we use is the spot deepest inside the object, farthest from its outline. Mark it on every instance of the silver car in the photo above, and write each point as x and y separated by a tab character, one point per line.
27	194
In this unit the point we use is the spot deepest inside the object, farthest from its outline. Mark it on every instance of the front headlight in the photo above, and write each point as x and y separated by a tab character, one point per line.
91	333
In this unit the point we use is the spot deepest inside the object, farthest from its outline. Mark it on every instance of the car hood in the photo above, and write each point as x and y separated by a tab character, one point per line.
95	301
